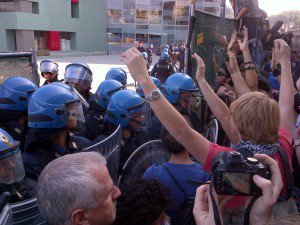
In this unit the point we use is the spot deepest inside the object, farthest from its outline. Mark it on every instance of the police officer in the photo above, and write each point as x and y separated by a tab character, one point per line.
180	90
49	70
118	75
145	56
53	112
163	69
149	51
14	95
94	117
12	174
79	75
128	109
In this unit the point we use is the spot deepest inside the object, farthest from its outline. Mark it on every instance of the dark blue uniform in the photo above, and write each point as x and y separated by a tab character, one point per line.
162	70
16	130
37	156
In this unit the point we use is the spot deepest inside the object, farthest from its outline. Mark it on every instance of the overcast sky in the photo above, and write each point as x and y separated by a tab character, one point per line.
273	7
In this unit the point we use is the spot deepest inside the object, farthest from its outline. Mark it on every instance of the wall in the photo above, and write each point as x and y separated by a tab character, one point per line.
55	15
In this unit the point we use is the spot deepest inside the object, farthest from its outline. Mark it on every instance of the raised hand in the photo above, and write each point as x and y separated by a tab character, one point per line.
232	40
244	44
200	74
136	64
282	51
232	65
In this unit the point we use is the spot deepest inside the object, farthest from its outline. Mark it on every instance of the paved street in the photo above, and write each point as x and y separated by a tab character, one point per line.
98	64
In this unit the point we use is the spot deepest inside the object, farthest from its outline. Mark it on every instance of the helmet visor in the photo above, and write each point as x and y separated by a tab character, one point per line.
187	99
75	117
140	117
48	67
84	103
12	169
80	75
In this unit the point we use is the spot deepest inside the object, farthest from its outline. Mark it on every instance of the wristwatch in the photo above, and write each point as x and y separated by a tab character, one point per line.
155	94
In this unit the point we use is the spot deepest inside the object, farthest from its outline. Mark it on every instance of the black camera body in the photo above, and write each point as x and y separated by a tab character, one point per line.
233	175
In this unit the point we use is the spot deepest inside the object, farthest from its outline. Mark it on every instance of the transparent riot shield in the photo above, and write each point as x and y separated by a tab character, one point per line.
212	131
152	152
19	64
25	212
110	149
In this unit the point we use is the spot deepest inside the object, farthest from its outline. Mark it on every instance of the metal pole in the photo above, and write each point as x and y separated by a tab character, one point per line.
222	17
187	55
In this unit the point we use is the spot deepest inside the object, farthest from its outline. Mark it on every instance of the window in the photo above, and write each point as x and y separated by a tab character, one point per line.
74	9
35	8
39	40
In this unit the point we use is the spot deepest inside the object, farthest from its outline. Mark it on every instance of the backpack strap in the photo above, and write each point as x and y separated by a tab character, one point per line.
287	171
175	181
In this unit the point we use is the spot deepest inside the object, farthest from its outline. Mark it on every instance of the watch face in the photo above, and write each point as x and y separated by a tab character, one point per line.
155	95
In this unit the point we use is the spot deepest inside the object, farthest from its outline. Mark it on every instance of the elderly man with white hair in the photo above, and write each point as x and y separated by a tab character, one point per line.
77	189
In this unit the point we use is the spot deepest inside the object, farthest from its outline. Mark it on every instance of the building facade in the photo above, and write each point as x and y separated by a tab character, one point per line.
151	21
56	25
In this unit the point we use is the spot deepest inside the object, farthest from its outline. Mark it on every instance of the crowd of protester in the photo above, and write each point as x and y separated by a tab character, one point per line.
46	128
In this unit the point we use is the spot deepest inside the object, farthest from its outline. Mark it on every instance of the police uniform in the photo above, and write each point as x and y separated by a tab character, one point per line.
162	70
17	131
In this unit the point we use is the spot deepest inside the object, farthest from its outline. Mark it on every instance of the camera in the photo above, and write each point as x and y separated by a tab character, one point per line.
233	175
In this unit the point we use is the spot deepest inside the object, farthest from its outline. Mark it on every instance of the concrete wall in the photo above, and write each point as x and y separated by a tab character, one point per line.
55	15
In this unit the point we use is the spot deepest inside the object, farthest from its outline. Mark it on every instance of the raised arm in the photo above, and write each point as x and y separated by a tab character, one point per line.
286	97
239	83
217	106
194	142
250	72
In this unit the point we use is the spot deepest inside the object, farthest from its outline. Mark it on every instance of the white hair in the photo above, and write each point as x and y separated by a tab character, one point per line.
66	184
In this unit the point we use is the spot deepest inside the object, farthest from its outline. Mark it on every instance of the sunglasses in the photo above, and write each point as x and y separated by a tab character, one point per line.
220	73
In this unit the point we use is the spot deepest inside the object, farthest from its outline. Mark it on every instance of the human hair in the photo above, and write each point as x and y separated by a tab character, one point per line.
141	202
224	85
257	118
66	184
171	144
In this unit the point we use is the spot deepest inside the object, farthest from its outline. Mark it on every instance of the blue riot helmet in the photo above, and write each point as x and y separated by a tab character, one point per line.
166	46
165	50
84	103
176	85
105	90
127	108
117	74
164	56
145	55
14	95
49	66
156	81
53	106
11	164
79	73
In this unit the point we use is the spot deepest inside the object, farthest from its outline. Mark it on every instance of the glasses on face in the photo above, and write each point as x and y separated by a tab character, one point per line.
220	73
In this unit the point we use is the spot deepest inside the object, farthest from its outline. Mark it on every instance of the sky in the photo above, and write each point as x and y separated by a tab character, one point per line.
273	7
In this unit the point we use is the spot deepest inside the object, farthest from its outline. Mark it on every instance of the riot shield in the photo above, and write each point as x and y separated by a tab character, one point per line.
110	149
152	152
212	131
19	64
25	212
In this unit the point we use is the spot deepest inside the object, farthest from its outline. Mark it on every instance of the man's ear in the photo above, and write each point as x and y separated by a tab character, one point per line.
78	217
